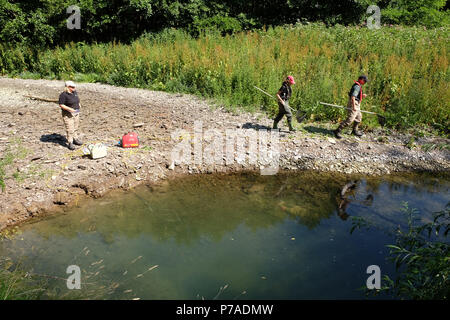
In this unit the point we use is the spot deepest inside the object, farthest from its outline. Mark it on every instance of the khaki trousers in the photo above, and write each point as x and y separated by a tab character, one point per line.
352	115
71	121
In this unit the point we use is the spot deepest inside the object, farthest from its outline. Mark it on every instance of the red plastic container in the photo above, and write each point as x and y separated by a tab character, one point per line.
130	140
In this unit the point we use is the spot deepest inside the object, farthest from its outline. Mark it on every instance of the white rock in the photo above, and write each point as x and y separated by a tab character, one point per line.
331	140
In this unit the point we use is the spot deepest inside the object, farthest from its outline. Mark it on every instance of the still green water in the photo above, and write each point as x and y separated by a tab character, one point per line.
240	236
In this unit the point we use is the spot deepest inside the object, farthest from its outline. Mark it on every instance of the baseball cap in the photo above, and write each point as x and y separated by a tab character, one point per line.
291	79
70	84
364	77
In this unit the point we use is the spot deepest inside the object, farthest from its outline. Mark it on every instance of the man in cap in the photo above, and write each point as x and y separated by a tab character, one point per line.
354	116
69	103
283	96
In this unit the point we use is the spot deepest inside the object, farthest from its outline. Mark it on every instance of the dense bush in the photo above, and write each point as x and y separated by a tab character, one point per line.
43	23
428	13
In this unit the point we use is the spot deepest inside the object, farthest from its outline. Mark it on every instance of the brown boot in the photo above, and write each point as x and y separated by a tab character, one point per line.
71	146
337	132
77	142
355	130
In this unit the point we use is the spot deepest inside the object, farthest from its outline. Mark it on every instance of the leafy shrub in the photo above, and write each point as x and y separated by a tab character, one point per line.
218	23
423	262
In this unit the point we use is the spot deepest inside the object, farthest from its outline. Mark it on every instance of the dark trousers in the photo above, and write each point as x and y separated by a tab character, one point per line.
283	110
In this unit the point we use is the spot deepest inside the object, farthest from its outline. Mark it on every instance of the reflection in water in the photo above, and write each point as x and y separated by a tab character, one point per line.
269	236
344	201
347	196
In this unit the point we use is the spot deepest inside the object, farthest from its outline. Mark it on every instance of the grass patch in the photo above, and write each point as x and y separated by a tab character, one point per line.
435	146
14	151
17	284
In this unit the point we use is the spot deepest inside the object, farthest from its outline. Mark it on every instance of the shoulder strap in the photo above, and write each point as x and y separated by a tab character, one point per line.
360	91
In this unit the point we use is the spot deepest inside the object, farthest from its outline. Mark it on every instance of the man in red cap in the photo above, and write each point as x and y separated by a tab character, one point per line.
283	96
354	116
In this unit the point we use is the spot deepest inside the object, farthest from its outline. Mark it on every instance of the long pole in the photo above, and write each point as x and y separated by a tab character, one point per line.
298	116
268	94
336	106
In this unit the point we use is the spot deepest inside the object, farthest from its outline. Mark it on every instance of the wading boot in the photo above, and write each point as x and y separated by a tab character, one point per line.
337	132
355	130
291	129
275	125
77	142
71	146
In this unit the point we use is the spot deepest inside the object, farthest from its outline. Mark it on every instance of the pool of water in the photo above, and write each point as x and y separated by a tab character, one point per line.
241	236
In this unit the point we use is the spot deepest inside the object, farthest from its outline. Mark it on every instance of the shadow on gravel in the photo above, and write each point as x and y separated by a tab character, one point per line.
323	131
255	126
55	138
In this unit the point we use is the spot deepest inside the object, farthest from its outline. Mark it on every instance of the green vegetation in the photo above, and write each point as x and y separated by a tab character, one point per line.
206	48
17	284
408	67
31	171
436	146
421	255
4	162
14	151
411	144
424	262
428	13
43	23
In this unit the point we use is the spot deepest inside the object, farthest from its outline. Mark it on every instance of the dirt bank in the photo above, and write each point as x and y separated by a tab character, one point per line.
45	176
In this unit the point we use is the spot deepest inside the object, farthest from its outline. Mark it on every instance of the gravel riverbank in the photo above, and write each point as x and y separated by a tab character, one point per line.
45	176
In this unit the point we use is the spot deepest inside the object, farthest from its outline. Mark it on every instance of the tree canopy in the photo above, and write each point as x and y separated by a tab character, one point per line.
43	22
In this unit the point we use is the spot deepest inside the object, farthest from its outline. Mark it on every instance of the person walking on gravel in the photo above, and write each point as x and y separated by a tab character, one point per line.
354	116
283	96
69	103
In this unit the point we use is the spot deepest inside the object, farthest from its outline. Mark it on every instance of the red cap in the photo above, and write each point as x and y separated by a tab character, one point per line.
291	79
